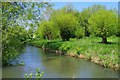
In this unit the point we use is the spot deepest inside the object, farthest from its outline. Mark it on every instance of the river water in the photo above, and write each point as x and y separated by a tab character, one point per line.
56	66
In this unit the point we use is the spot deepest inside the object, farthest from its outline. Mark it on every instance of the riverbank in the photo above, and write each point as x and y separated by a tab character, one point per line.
86	48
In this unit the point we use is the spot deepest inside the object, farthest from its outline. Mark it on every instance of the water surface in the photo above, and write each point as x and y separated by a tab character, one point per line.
56	66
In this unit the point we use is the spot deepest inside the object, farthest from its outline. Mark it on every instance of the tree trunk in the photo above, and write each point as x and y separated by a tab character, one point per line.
87	34
104	39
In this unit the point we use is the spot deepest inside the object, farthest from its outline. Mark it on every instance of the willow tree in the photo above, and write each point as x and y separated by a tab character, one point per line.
66	23
47	30
103	24
85	14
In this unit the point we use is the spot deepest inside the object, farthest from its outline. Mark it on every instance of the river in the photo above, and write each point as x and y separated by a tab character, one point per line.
56	66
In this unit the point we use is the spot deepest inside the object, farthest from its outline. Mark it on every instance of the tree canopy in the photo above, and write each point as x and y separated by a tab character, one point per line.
86	13
66	23
47	30
16	16
103	23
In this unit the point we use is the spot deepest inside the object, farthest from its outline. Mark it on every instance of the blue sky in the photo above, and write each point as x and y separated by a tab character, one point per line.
81	5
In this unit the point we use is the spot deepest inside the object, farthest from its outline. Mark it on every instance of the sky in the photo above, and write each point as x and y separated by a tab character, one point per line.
81	5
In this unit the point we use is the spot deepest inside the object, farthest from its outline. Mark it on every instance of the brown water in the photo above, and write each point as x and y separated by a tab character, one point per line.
56	66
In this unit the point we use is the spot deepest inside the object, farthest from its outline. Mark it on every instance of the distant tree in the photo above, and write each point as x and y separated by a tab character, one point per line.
66	23
46	30
114	10
85	14
79	33
103	23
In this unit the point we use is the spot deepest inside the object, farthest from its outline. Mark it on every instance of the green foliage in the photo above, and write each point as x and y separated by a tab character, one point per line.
66	22
85	14
13	40
47	30
118	32
15	12
37	75
104	54
15	18
103	23
80	32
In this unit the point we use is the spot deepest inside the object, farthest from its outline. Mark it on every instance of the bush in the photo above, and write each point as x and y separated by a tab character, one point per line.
13	42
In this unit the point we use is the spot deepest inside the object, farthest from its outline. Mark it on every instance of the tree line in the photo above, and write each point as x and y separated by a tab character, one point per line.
69	23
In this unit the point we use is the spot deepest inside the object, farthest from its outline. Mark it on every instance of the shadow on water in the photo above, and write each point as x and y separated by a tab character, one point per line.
56	66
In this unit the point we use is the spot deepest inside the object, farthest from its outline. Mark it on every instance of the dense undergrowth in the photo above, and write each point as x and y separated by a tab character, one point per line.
88	48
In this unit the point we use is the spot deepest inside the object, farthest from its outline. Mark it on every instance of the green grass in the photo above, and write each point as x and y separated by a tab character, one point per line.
90	47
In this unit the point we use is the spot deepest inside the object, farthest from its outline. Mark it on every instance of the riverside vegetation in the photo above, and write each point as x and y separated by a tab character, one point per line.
37	75
88	48
15	37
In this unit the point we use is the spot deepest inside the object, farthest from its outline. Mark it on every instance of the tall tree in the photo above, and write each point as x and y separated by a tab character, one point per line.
66	23
85	14
47	30
103	23
15	16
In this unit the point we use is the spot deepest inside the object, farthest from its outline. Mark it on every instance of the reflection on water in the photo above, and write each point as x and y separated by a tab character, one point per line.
56	66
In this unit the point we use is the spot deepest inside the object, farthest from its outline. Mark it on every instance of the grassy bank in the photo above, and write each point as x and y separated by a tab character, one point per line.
86	48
